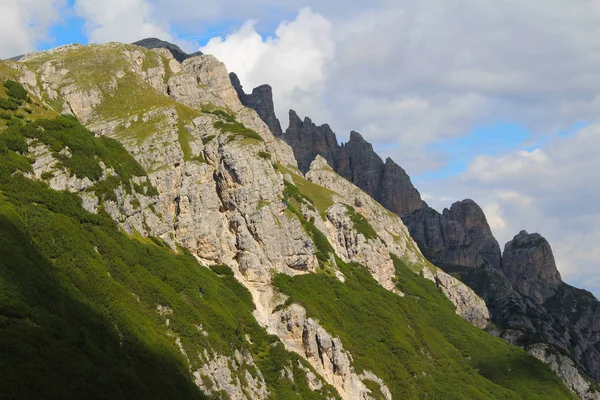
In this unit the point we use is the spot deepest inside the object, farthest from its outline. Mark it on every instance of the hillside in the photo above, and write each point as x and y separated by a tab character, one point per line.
160	242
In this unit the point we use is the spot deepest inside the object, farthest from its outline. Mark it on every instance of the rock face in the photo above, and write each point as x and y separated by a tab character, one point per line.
326	353
356	161
261	101
529	265
473	221
154	43
564	367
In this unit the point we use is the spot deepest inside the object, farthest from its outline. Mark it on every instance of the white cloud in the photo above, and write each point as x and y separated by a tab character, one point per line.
294	61
119	20
25	23
124	21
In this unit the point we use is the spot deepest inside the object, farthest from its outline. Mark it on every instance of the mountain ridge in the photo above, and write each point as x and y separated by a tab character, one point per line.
460	239
174	170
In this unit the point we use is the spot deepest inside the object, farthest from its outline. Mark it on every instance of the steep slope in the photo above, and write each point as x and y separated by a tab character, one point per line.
208	184
518	290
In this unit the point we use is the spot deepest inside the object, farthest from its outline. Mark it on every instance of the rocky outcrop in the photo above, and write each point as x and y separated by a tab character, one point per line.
237	376
261	101
325	353
443	240
356	160
205	82
154	43
564	367
308	141
473	221
529	265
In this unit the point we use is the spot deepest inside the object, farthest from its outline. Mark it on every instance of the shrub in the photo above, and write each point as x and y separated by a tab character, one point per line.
9	104
237	129
220	113
221	270
264	154
47	175
207	139
5	115
15	90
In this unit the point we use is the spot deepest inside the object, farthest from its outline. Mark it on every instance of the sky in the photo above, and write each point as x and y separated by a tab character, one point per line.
494	100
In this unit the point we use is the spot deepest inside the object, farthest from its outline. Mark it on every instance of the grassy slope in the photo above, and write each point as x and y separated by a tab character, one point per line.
78	306
416	343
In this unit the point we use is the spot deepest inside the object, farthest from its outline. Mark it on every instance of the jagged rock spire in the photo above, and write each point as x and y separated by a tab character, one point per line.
261	101
529	265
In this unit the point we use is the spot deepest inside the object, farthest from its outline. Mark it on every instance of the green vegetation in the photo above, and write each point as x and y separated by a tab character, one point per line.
317	195
220	113
207	139
237	129
79	151
15	90
47	175
12	97
222	270
361	224
294	200
417	344
9	104
264	154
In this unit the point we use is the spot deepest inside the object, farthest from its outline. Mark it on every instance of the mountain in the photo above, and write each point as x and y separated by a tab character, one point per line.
522	288
161	242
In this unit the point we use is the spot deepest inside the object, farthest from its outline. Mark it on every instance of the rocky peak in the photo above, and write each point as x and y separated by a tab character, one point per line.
442	239
309	140
473	220
261	101
154	43
529	265
356	137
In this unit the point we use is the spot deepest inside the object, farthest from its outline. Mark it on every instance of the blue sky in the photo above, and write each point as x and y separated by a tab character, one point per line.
497	102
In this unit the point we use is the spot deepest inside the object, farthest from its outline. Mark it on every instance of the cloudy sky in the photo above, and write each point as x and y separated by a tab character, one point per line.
495	100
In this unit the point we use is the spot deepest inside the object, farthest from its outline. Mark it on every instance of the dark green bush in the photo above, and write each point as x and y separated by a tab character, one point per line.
207	139
238	129
221	270
47	175
9	104
5	115
220	113
15	90
264	154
